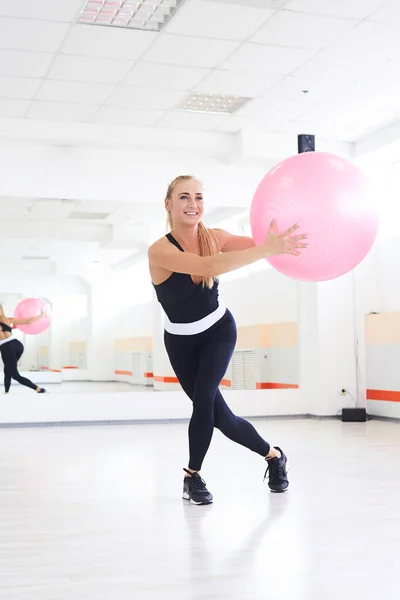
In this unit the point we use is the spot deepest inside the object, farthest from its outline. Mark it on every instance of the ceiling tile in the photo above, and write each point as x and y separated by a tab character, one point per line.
214	20
301	30
236	83
352	114
46	10
189	51
24	64
13	109
71	91
26	34
264	113
18	87
135	97
258	58
367	58
112	115
389	13
327	65
352	9
60	111
83	68
295	89
190	121
377	39
89	40
145	74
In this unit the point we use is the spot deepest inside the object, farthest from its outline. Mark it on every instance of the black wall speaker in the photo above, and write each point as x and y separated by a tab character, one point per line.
305	143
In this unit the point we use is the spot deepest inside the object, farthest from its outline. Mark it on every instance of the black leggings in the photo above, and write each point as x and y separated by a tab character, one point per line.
11	352
200	362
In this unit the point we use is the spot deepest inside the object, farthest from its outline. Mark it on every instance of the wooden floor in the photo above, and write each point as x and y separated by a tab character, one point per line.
95	513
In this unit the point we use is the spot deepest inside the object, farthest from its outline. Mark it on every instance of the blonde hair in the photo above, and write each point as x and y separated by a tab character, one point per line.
205	236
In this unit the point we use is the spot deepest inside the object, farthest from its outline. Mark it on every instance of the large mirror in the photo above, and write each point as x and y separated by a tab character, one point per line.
39	357
88	261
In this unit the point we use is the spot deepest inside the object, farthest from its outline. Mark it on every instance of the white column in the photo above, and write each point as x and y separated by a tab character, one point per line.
332	345
101	342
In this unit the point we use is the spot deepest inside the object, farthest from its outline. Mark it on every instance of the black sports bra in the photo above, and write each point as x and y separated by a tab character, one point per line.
183	300
5	327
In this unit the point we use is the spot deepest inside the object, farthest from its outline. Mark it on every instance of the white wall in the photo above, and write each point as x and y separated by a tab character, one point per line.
88	407
134	321
66	171
265	296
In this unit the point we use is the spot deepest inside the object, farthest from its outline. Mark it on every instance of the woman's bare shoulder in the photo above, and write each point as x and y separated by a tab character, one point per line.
159	243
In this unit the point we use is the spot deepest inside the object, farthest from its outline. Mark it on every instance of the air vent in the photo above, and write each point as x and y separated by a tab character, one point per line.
88	216
211	103
147	15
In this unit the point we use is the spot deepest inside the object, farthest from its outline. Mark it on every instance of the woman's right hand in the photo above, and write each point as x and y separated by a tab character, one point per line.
284	243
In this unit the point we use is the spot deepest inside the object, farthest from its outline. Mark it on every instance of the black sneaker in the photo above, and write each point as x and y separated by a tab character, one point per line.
277	480
194	489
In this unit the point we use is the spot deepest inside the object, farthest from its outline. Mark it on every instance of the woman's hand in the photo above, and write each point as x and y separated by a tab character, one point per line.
284	243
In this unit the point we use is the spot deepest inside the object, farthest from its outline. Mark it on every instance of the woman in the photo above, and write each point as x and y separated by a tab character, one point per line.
200	333
12	349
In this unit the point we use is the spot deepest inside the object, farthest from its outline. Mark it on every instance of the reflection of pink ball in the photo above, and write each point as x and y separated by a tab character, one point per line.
330	198
31	307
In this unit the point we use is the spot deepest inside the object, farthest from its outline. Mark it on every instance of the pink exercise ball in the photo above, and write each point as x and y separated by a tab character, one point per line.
31	307
331	200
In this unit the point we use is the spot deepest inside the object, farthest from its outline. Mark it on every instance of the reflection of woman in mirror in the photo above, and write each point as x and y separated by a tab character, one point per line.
12	349
200	333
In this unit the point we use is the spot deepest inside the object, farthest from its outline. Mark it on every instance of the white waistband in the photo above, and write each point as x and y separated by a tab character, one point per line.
196	326
7	340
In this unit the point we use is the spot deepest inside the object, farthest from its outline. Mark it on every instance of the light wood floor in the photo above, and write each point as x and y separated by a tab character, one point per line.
95	513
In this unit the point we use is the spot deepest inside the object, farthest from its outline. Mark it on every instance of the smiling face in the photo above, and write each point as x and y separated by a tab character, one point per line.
185	202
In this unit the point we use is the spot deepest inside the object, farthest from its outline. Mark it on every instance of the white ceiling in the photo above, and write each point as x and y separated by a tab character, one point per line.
345	53
329	67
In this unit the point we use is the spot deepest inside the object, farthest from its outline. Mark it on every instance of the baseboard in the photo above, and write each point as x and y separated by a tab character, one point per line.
137	421
172	421
379	418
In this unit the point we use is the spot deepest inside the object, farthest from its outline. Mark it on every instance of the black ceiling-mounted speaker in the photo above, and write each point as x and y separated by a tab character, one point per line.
305	143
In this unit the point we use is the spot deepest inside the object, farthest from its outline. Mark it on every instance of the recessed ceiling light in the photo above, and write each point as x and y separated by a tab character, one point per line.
210	103
148	15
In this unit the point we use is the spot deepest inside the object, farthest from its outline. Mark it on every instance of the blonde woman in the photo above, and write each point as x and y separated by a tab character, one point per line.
200	333
12	349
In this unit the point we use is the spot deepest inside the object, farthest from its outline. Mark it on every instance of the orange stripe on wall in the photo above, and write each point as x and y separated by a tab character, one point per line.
70	367
266	385
159	378
149	375
123	373
226	382
384	395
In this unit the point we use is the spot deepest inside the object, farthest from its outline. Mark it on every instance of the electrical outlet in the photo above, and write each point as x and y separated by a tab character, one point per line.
343	392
